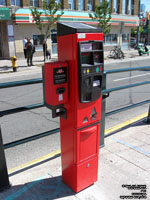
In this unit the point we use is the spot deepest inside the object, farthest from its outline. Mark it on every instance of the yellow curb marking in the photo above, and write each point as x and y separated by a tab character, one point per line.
50	155
33	162
123	124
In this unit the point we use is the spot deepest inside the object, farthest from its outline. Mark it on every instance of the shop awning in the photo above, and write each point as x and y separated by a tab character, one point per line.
4	14
24	16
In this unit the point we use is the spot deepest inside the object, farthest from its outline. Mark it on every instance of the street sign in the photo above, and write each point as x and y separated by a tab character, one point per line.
4	14
143	22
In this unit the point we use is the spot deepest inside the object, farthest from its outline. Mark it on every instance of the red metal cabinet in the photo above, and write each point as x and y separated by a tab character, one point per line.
55	76
81	129
87	143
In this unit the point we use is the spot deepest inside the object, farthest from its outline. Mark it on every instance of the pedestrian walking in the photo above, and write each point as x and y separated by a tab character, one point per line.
24	48
30	49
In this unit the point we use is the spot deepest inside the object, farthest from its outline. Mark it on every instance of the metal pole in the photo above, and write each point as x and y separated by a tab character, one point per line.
138	28
102	127
4	181
148	117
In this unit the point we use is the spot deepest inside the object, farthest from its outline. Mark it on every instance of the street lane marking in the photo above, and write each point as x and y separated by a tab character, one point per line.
50	155
129	77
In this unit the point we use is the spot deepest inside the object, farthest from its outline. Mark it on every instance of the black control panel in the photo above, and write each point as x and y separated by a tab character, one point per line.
90	69
60	75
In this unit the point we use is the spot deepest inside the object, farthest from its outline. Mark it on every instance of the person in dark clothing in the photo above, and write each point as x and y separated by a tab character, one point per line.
30	50
48	55
45	51
24	48
145	42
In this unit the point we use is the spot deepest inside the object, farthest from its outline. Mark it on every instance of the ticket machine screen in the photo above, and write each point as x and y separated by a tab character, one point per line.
90	68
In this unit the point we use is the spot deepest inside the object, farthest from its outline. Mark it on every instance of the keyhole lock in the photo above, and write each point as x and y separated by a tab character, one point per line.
88	165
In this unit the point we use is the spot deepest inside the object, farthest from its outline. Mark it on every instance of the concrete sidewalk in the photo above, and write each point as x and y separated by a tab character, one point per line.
5	65
124	172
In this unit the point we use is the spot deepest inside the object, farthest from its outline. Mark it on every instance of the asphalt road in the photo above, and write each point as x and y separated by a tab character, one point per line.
24	124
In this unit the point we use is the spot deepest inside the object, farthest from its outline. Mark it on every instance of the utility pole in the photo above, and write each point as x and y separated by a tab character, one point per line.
138	28
147	28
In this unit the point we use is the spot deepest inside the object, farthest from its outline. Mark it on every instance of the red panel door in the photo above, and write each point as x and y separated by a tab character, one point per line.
87	143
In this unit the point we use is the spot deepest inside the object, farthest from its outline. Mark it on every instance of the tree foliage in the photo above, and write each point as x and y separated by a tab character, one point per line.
103	15
46	18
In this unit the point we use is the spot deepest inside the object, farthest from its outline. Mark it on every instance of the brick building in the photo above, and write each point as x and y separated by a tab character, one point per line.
14	29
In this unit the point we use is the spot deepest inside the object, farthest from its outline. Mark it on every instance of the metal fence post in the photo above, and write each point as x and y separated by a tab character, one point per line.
148	117
4	181
102	127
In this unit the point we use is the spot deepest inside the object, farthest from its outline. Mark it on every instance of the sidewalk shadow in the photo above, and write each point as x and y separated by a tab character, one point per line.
40	189
8	69
5	68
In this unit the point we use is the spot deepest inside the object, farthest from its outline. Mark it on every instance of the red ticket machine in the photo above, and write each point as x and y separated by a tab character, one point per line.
55	88
81	46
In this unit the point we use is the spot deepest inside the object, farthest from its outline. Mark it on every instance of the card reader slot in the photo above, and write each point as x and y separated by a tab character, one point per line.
60	90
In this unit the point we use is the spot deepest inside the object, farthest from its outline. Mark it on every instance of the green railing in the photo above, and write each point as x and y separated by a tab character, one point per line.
4	181
106	92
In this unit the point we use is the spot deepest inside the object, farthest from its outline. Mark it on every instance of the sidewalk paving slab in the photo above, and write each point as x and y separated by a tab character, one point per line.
123	162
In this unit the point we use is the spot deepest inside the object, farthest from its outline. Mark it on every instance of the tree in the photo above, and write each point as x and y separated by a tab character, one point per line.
46	18
103	15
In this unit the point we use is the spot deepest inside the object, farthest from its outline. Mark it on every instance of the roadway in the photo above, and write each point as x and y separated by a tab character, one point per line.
24	124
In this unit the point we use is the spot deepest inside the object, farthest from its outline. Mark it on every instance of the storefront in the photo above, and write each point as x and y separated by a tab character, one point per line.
24	27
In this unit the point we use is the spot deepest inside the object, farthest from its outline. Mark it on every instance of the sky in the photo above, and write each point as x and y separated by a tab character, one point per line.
147	4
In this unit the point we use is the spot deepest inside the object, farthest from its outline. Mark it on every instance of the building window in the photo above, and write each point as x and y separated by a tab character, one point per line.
48	1
71	4
111	39
90	5
125	40
124	5
38	42
15	2
132	7
80	5
109	1
2	2
54	41
129	7
115	9
34	3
